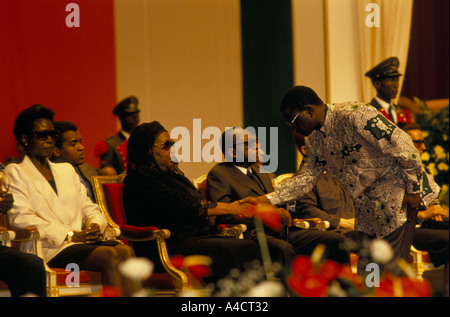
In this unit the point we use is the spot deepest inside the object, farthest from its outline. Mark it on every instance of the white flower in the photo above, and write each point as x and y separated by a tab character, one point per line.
266	289
381	251
136	268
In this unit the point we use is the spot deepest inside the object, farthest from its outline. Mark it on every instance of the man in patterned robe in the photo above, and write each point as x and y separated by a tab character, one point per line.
374	160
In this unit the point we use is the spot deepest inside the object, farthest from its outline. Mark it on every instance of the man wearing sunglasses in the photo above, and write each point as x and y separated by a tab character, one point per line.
374	160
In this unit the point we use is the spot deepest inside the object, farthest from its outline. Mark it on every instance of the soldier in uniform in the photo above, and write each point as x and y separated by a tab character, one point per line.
113	151
385	79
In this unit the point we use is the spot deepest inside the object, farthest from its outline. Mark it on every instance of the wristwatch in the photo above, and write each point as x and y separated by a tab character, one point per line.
69	236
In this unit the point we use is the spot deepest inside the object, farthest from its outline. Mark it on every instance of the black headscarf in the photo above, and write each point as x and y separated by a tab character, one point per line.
157	198
139	144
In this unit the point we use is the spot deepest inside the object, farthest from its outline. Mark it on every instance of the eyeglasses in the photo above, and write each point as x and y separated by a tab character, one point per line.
292	123
166	145
44	134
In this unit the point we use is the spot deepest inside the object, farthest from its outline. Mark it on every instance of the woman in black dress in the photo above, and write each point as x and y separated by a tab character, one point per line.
157	194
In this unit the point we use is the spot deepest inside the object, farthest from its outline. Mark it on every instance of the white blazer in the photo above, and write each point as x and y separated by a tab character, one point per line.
36	204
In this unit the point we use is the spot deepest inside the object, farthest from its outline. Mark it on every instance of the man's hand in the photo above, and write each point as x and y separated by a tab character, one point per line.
6	203
411	204
286	218
255	200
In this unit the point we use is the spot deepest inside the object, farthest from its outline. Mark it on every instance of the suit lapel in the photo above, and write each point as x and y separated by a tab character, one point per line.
246	181
265	179
45	189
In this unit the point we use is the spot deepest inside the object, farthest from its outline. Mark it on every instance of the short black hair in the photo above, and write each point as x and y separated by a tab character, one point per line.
298	97
25	120
61	127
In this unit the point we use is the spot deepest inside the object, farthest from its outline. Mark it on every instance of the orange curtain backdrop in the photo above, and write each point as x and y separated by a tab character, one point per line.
71	70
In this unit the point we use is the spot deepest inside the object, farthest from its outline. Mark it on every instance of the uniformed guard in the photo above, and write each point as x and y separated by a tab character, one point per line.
113	151
385	79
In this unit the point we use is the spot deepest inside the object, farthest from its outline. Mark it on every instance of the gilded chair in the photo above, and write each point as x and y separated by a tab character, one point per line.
108	192
200	184
11	238
281	178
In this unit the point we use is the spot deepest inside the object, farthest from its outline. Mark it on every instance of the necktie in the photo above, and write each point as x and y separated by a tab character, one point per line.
392	113
86	184
255	179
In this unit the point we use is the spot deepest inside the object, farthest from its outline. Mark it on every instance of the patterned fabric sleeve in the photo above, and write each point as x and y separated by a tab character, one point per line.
393	143
298	186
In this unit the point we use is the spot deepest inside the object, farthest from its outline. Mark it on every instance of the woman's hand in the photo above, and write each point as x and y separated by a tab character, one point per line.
91	235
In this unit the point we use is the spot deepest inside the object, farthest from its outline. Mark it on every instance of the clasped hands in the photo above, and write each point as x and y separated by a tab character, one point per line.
91	235
248	205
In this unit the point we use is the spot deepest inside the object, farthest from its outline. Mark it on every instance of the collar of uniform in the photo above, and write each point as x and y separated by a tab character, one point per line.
125	134
383	104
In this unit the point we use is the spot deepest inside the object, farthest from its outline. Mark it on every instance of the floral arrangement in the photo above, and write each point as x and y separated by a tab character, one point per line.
308	276
435	128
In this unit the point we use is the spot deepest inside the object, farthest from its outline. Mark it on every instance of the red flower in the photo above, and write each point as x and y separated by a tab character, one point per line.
404	287
269	215
301	265
330	270
199	271
177	261
309	285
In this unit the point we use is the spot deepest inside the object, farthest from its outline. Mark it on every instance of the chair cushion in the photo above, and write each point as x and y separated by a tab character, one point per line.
86	277
114	195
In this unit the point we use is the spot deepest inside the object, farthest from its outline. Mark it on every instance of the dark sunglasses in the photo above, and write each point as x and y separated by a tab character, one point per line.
43	135
166	145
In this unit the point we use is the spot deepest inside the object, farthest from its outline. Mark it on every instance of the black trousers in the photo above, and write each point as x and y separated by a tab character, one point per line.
24	273
400	240
303	242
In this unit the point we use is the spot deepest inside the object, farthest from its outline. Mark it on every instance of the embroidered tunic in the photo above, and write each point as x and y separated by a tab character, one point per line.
373	159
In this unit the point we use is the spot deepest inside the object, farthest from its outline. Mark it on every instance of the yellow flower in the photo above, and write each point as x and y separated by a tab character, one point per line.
425	134
439	152
425	156
445	137
442	166
432	169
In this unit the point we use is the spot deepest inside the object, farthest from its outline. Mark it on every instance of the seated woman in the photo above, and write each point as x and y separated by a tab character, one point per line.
157	194
52	198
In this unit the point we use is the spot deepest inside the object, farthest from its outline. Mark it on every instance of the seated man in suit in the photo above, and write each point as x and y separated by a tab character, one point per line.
24	273
69	149
385	79
328	200
239	177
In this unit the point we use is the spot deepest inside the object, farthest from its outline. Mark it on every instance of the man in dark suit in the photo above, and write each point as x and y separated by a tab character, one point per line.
24	273
385	79
69	149
113	151
239	177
